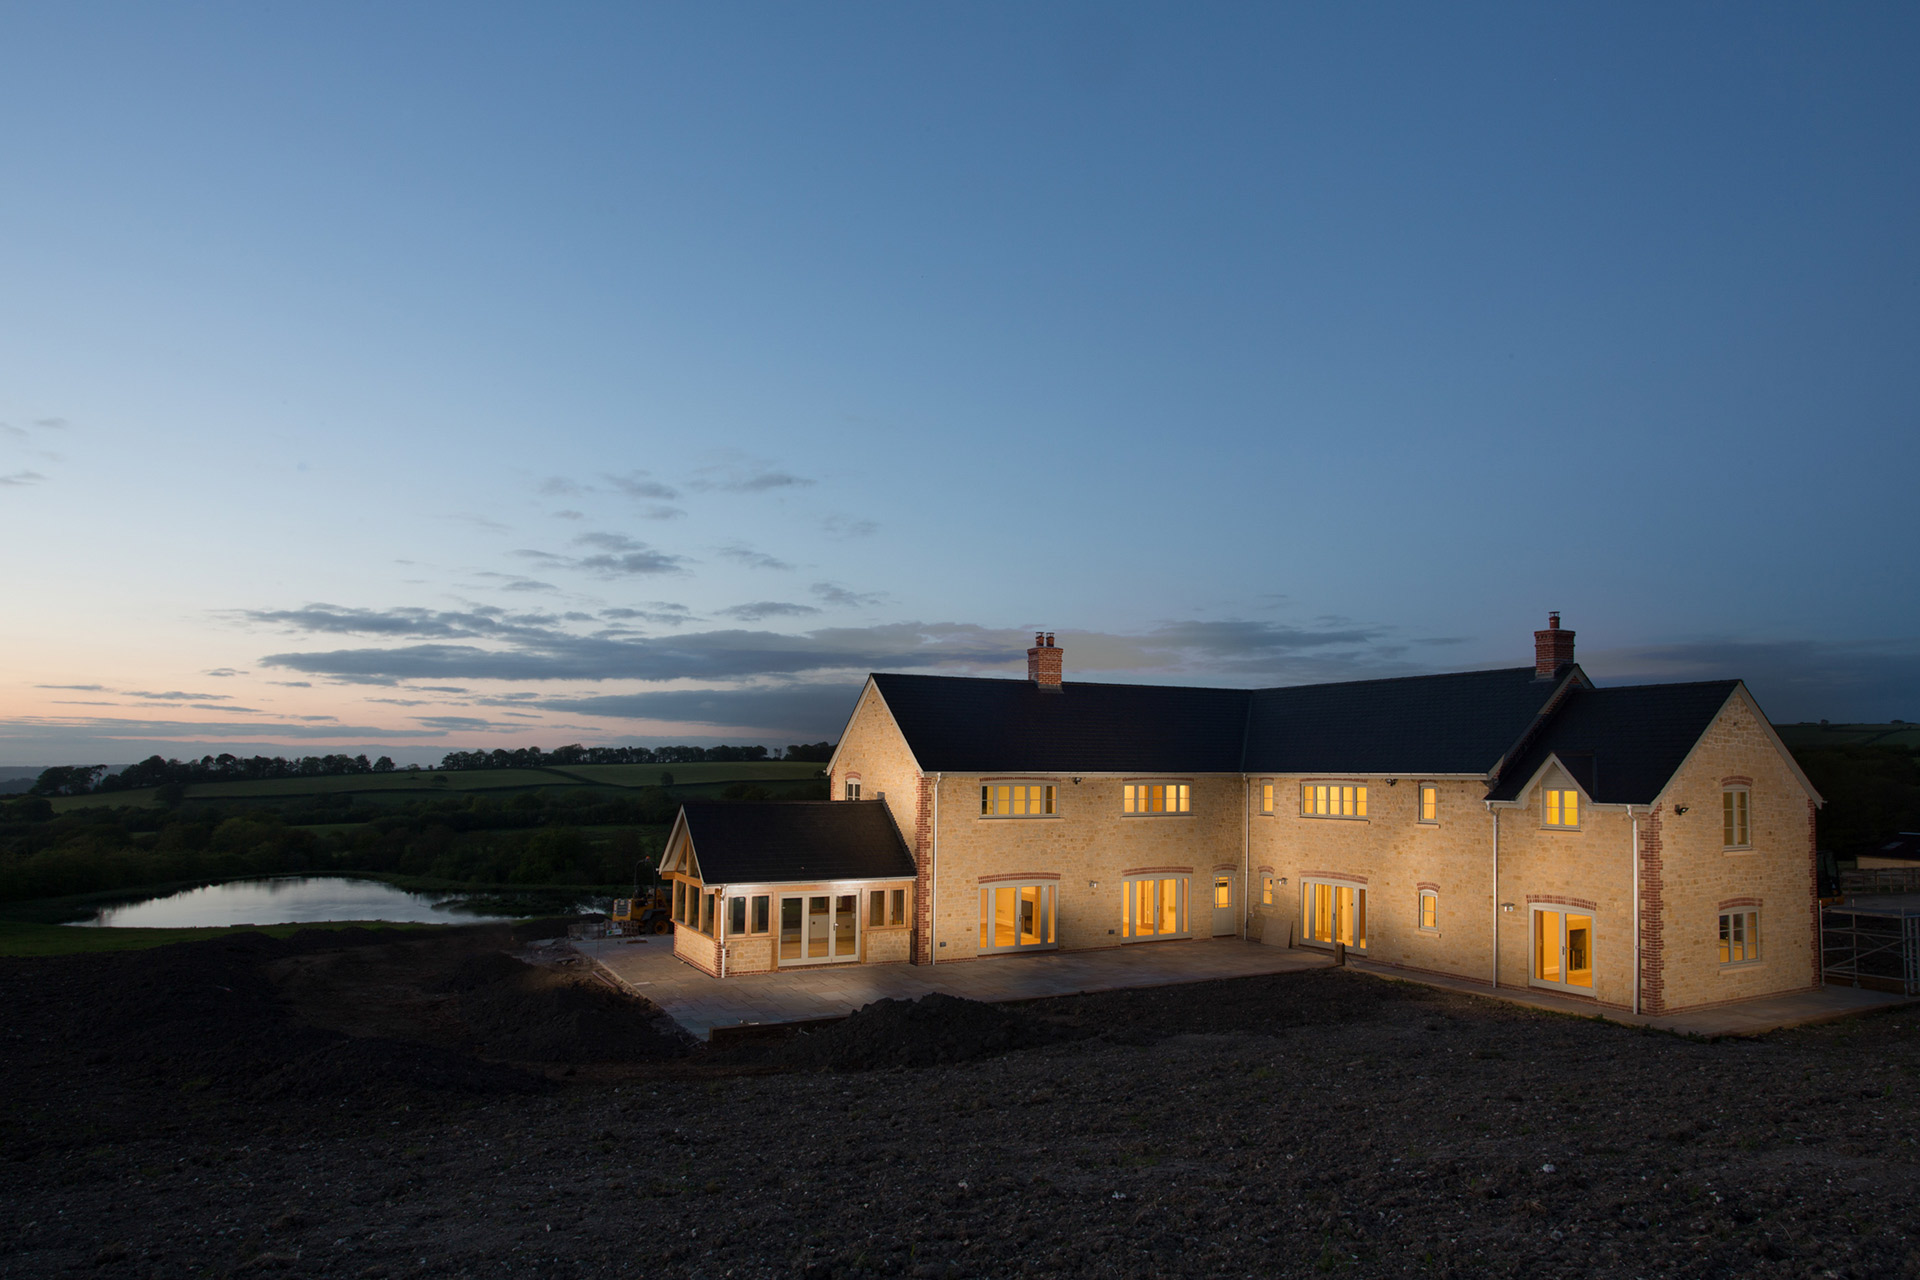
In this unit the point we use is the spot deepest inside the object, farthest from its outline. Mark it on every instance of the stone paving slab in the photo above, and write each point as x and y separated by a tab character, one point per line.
700	1003
1744	1018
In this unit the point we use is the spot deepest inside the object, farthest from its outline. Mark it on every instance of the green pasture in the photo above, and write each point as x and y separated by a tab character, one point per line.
1849	735
410	785
685	775
31	938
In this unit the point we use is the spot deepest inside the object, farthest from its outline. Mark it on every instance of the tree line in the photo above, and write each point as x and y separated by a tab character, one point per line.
155	771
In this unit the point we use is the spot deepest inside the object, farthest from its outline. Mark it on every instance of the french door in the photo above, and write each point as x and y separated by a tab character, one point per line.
1017	917
1331	913
819	928
1562	949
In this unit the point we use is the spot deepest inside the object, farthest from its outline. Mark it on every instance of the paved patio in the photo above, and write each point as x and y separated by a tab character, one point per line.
648	967
1747	1018
700	1003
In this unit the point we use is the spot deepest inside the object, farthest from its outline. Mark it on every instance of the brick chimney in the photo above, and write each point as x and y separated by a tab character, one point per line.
1552	649
1043	661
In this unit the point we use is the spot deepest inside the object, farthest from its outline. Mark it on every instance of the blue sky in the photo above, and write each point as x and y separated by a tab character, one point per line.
426	378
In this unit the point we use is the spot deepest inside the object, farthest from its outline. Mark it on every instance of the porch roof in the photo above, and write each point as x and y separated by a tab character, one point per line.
796	841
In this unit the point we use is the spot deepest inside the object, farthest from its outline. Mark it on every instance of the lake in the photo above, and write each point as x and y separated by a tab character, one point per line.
315	900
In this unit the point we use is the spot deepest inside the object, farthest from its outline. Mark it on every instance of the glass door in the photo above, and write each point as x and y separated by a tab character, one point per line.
1562	949
1331	913
819	928
1154	907
1016	917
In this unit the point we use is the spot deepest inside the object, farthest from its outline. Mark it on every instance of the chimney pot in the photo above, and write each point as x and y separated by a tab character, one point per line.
1552	649
1043	661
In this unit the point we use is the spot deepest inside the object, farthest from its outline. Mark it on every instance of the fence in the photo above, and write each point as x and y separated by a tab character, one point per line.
1872	945
1881	880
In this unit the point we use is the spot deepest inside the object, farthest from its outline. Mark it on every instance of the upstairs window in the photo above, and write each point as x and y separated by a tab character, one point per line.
1332	800
1429	910
1734	830
853	788
1018	800
1266	797
1156	797
1563	808
1429	803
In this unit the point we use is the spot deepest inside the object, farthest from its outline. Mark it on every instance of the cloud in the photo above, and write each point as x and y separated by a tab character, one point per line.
175	695
77	688
663	612
846	527
740	552
568	515
514	582
52	424
19	479
227	708
461	724
809	712
223	671
745	476
618	556
442	688
639	484
406	702
479	522
139	730
293	684
842	597
559	487
759	609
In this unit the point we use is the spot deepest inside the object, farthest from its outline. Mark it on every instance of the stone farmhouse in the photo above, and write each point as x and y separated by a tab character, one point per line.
1648	848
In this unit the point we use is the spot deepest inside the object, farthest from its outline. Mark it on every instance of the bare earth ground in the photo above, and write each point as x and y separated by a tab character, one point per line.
308	1107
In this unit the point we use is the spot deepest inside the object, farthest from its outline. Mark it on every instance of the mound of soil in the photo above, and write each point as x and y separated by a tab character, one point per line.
484	970
533	1014
930	1031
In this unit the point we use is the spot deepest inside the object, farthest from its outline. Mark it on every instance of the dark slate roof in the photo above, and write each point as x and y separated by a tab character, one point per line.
962	725
1459	723
786	842
1621	745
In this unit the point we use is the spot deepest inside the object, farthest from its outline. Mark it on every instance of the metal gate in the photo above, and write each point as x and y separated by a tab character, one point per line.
1872	945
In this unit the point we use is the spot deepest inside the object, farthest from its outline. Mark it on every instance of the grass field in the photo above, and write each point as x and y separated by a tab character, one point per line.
429	782
1850	735
28	938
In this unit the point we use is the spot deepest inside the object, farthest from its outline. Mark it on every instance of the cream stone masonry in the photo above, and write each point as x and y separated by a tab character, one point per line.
1621	906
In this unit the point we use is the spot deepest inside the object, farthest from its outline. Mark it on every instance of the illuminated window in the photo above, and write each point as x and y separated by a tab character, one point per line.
1734	829
1429	909
1562	948
1266	891
1016	917
1324	800
1222	893
853	788
762	904
1563	808
1429	803
1153	907
1156	797
1331	913
1016	801
1266	797
1739	936
876	908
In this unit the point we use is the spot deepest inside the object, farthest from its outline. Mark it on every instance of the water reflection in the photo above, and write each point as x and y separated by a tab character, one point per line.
294	900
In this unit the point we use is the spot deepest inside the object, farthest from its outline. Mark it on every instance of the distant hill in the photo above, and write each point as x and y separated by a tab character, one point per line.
1819	733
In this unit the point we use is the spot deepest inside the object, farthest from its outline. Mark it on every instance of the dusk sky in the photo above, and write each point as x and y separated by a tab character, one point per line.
417	378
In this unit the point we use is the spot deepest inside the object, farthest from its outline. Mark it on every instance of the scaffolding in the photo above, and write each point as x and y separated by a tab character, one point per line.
1872	943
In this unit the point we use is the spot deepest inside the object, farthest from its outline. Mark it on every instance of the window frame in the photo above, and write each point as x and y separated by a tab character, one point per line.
852	789
1736	818
1344	807
1422	900
1266	798
1018	793
1046	900
1422	793
736	910
1744	921
897	907
1550	805
760	919
1135	794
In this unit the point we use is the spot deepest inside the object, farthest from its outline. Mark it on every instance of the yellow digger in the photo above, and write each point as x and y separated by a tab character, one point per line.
643	915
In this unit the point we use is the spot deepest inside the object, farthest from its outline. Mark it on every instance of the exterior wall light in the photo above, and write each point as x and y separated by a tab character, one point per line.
1679	809
1506	906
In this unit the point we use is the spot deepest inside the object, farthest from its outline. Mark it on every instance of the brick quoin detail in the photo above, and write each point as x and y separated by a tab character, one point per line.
1556	900
1813	892
1653	961
922	952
